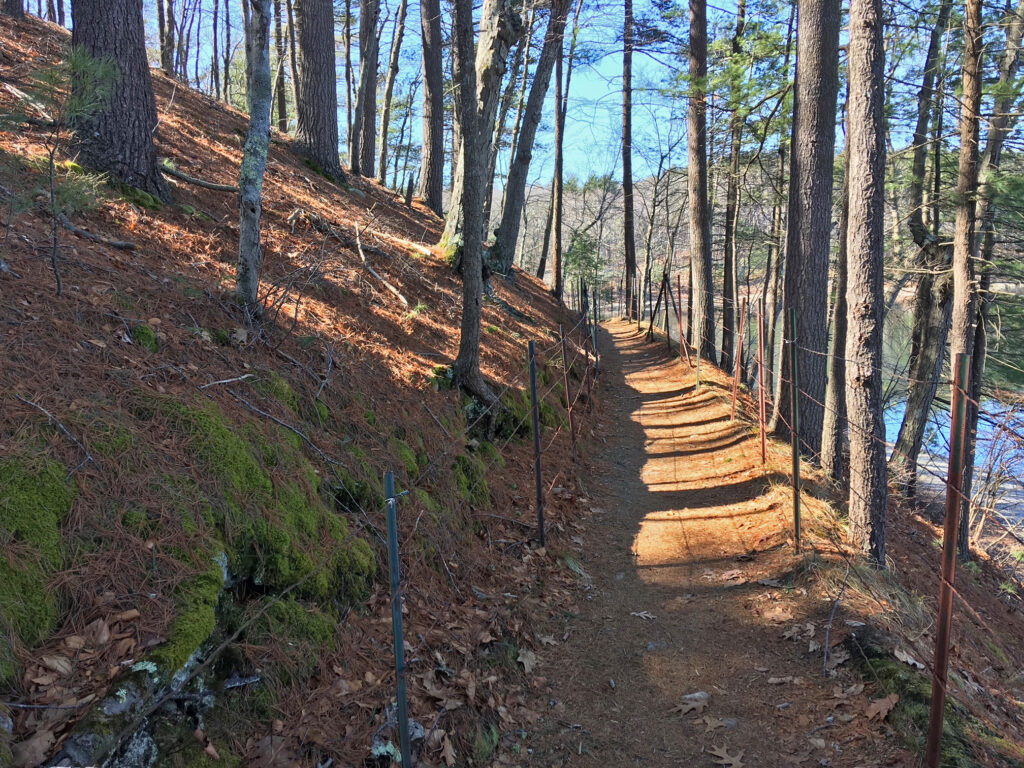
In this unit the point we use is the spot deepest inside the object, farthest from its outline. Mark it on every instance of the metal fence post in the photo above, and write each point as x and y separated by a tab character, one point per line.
396	618
568	394
593	339
794	434
739	356
954	486
760	380
536	444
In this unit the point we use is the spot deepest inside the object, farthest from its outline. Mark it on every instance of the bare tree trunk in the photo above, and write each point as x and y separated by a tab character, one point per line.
931	308
697	178
1001	123
254	157
834	423
119	139
628	224
868	499
504	107
515	188
491	60
556	224
293	54
349	77
732	207
810	214
228	52
543	261
317	126
520	107
467	364
16	8
961	335
364	121
432	159
385	118
282	100
215	53
165	20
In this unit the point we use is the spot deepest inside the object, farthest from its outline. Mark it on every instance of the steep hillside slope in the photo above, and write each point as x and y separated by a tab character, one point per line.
173	482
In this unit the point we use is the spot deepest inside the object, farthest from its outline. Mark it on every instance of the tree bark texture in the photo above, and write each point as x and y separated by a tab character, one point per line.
868	500
364	121
515	186
389	89
809	216
500	26
628	223
282	99
432	158
834	426
697	179
254	157
732	205
316	131
119	139
467	363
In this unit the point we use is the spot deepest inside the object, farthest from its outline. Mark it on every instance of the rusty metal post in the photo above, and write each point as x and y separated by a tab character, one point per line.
739	356
536	443
794	432
954	486
683	348
760	380
396	618
568	394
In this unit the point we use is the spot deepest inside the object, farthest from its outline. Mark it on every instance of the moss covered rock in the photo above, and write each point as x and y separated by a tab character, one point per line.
35	498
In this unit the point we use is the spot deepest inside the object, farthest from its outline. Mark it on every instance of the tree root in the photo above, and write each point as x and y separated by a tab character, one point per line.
122	245
169	170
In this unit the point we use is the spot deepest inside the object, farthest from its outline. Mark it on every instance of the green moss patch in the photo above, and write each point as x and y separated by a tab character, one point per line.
470	475
274	386
405	455
963	736
35	498
196	603
145	337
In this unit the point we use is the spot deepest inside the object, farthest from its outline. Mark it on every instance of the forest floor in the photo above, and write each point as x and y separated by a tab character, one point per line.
697	589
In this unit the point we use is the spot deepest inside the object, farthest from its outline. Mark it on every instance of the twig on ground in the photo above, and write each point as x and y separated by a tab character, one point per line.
832	617
327	374
227	381
56	422
372	271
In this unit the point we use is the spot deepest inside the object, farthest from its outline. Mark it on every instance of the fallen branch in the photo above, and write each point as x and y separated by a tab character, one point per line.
169	170
227	381
57	423
122	245
372	271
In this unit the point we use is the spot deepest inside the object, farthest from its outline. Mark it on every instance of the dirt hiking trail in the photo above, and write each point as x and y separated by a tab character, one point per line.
691	557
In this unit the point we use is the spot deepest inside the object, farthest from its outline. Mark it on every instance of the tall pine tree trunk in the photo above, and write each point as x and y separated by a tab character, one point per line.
254	156
697	178
556	220
432	158
15	8
732	205
833	437
364	119
279	87
628	222
809	218
317	126
119	139
868	499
